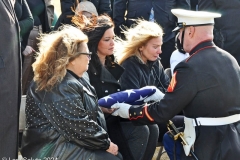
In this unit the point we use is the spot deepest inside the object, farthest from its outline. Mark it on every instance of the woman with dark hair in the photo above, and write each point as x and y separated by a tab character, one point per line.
104	73
63	118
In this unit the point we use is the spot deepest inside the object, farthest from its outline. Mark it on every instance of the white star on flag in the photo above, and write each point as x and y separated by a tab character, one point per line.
129	92
130	96
141	98
106	98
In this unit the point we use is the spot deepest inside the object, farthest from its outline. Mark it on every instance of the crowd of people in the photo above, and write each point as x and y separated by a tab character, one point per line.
100	47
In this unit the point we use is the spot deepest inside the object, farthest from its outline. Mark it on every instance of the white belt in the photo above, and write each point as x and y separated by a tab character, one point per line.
190	123
216	121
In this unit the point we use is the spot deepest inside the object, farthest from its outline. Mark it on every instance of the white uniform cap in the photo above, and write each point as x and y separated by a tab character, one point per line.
86	6
194	18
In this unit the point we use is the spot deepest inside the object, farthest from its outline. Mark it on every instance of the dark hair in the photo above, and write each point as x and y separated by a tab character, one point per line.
94	36
94	28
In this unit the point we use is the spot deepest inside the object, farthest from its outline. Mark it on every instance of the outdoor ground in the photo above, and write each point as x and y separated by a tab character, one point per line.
163	157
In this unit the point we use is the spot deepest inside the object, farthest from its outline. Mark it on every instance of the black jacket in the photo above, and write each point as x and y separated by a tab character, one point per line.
207	84
102	6
138	75
65	123
227	31
105	81
141	9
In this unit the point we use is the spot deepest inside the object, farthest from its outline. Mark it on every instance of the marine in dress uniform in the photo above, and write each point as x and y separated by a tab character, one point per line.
205	86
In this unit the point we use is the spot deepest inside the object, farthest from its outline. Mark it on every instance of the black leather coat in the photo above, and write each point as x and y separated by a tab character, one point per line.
206	85
65	123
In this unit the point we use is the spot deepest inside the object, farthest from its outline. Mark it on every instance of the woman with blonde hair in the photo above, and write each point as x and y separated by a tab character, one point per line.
62	114
139	55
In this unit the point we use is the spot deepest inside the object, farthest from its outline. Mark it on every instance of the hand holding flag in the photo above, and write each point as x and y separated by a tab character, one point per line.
121	110
157	96
131	96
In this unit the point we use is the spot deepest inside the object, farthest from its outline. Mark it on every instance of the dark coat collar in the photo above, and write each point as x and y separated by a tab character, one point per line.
88	88
112	74
201	45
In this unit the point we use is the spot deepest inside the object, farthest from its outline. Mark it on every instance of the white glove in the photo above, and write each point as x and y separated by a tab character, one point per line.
121	110
28	50
157	96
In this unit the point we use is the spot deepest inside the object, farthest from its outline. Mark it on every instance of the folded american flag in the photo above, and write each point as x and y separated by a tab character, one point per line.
131	96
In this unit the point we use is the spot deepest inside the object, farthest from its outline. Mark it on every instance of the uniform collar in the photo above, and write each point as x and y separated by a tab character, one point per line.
201	45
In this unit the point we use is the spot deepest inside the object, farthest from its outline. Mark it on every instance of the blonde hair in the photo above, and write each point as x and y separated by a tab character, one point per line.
136	37
56	50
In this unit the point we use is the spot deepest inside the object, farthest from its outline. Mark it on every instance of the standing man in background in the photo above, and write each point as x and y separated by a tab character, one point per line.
226	28
10	81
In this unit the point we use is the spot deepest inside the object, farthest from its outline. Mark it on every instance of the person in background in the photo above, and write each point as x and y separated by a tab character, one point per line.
140	58
226	28
63	118
86	8
68	7
10	80
124	11
199	87
43	15
25	20
178	55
